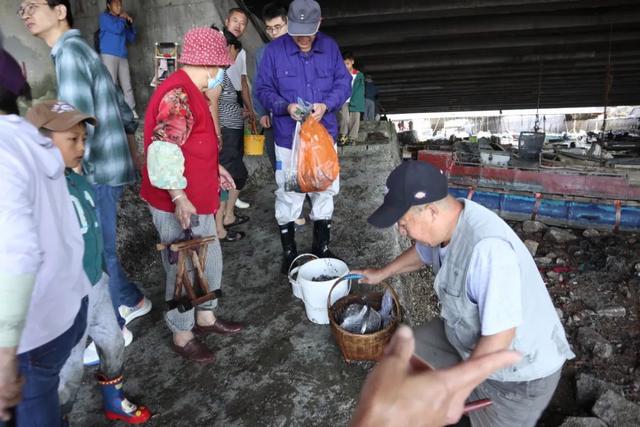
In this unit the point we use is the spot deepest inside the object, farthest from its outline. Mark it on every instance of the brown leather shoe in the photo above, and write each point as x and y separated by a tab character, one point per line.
220	326
195	351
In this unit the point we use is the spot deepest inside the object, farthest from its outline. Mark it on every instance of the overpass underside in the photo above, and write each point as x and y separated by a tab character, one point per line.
452	55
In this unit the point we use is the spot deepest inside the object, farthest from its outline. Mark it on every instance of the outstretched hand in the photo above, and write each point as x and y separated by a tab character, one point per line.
398	393
370	276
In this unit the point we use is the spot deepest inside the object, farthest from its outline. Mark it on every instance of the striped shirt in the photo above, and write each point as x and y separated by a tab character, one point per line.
85	83
229	110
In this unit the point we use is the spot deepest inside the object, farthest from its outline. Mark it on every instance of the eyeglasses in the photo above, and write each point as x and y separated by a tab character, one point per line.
274	29
28	9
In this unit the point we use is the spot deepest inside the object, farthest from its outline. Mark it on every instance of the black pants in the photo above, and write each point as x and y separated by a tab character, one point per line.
232	154
269	143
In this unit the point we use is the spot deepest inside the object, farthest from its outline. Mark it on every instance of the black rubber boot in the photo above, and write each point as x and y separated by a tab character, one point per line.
289	249
321	238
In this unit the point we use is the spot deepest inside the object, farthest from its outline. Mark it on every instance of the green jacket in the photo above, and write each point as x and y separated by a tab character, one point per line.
84	204
356	104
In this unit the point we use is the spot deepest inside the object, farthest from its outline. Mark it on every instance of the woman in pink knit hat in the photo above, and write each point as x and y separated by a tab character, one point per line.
182	178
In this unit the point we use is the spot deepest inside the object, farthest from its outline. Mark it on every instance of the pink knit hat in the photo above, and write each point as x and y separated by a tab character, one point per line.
205	46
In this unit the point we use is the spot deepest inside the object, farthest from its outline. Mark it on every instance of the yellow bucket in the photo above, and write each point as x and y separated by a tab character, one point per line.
253	145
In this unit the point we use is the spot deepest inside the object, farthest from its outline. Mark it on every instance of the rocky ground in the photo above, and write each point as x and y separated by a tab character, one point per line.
594	280
283	370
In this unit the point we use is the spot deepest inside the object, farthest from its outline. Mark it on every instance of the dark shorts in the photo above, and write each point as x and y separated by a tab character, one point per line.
232	154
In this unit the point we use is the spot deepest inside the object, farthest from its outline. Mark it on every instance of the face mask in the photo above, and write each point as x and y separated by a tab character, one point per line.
213	82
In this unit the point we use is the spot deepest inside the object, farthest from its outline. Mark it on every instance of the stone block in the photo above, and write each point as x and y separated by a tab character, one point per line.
617	411
590	233
530	227
532	245
589	389
557	235
543	261
594	343
614	311
583	422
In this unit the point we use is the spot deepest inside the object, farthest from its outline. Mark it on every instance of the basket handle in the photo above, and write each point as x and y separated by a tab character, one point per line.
293	270
356	276
348	276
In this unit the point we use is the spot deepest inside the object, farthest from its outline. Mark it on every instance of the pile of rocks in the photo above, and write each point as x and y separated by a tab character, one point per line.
608	407
593	278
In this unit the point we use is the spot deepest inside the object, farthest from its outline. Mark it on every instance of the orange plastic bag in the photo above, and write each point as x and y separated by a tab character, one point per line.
318	163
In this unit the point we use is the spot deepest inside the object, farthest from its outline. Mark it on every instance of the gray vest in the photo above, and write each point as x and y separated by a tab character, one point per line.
540	338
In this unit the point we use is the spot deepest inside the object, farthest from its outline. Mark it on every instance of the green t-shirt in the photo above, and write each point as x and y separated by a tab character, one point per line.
83	202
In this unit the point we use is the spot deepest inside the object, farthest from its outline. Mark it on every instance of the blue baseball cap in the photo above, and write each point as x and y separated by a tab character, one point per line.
303	18
410	184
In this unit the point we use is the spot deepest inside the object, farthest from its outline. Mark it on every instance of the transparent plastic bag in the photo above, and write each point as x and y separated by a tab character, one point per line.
291	182
386	308
353	318
361	319
372	322
291	170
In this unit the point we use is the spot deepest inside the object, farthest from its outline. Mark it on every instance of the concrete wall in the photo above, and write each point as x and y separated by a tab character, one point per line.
161	21
28	49
156	21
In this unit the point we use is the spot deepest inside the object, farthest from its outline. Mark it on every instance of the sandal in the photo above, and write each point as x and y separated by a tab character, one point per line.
240	219
233	236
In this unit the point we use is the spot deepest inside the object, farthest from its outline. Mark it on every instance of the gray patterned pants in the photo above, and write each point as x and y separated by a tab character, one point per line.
514	403
169	230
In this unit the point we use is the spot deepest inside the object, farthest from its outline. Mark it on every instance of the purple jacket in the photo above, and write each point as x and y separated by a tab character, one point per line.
285	74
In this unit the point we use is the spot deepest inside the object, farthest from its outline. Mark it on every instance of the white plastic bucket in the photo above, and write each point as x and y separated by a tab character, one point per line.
293	274
315	294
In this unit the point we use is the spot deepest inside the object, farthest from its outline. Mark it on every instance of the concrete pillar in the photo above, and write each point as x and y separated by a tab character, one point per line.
165	21
28	49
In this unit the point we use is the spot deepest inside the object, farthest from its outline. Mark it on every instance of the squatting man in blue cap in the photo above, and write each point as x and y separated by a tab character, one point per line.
306	64
491	293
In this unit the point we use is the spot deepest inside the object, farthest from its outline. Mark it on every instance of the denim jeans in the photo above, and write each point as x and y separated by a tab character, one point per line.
40	368
369	109
122	291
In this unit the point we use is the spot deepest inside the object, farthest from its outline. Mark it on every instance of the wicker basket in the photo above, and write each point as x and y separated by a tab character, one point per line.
356	346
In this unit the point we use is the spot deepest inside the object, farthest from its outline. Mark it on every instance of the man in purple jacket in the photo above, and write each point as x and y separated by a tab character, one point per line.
303	64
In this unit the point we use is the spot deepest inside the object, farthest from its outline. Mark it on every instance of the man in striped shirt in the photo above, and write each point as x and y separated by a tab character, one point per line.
84	82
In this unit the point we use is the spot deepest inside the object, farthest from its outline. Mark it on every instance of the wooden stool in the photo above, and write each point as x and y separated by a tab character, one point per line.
188	295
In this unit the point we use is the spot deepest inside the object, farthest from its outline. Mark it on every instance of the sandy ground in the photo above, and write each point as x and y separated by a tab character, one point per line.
284	370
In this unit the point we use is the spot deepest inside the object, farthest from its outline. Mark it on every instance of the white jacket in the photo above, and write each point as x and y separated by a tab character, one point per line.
39	232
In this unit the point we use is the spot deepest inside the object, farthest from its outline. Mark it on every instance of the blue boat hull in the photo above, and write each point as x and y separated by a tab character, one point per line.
603	215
